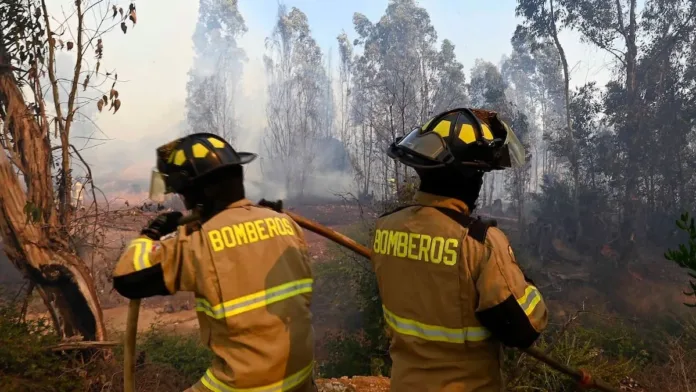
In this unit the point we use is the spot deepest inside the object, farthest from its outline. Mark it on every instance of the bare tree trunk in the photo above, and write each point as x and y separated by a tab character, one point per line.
631	134
574	161
38	246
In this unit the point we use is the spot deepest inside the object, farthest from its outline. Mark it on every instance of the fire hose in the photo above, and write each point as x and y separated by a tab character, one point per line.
583	377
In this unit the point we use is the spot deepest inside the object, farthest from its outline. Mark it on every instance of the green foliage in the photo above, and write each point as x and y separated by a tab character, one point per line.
32	212
185	354
685	256
575	349
347	356
347	286
26	361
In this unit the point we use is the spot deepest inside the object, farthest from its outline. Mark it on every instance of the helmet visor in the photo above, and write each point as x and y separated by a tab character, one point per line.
515	149
429	145
158	186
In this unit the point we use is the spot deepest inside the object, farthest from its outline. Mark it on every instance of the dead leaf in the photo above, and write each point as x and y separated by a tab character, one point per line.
124	28
105	99
37	13
100	105
131	7
84	84
120	11
115	12
98	63
70	45
113	94
117	105
133	17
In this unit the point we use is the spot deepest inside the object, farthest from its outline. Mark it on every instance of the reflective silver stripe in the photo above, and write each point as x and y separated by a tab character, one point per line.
255	300
290	382
434	332
530	299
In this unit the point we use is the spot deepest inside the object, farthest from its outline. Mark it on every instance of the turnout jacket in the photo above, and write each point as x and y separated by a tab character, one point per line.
250	272
452	292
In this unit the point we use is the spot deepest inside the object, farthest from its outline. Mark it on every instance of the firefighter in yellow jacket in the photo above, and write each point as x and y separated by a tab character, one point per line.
247	266
451	288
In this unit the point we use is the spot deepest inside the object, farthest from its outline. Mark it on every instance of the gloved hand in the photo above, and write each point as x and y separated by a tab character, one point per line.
276	206
528	279
162	225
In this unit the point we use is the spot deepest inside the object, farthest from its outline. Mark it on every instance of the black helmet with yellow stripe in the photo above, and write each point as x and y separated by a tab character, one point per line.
463	138
184	161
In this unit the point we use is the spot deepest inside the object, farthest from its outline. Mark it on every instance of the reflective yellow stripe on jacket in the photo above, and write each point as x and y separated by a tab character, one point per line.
215	385
141	256
434	332
530	299
255	300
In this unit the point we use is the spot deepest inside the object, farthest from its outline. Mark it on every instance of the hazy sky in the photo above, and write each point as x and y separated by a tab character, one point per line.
153	59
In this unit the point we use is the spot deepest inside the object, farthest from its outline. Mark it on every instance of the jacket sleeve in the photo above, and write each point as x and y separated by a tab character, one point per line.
509	305
148	268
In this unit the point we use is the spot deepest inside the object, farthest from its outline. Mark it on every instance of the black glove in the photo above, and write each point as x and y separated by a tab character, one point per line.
528	280
276	206
162	225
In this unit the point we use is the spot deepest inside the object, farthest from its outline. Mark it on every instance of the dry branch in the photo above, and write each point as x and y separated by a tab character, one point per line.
64	346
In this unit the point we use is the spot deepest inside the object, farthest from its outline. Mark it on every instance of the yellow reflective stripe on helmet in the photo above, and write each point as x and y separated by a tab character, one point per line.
287	384
141	256
179	158
199	150
487	134
434	332
217	143
467	134
255	300
530	299
443	128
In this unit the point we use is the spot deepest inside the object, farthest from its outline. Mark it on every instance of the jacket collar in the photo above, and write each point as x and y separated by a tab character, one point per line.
432	200
240	203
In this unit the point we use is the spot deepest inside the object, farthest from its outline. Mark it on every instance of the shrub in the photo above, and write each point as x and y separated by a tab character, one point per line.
347	287
26	360
685	255
573	349
183	353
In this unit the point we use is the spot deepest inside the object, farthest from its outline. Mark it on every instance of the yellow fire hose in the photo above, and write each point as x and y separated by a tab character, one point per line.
581	376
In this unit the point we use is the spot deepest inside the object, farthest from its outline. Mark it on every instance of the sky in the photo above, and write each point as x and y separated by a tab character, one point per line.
153	60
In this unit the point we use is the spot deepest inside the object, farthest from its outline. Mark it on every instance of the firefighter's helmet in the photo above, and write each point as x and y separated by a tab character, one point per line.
465	138
184	161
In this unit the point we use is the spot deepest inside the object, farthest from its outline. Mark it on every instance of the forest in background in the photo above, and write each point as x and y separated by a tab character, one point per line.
610	164
611	167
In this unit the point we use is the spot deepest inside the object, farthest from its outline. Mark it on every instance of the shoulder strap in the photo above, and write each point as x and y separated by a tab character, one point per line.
397	209
477	228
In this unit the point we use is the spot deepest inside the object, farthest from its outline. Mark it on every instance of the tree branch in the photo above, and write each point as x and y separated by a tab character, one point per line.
94	197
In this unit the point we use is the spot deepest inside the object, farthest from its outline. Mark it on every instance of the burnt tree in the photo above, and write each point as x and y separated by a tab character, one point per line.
38	108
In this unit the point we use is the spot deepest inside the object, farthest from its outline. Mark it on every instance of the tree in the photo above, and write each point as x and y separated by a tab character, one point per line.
685	255
217	69
542	22
37	221
535	81
399	80
296	108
